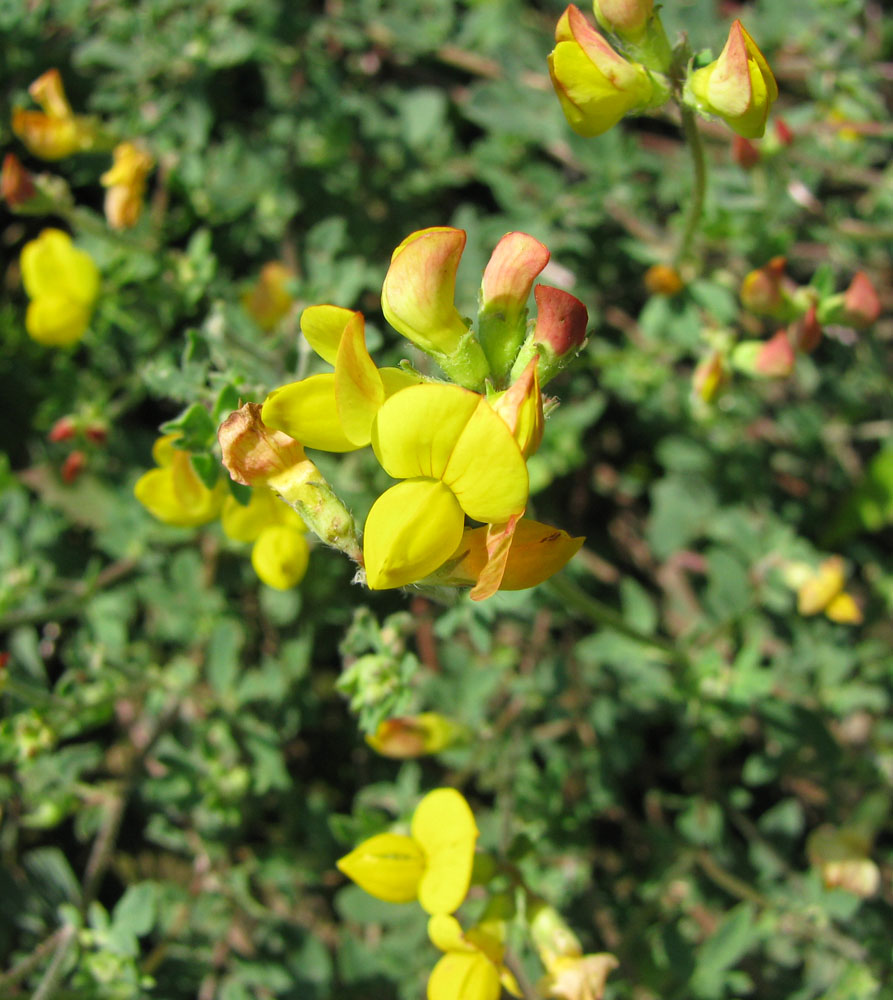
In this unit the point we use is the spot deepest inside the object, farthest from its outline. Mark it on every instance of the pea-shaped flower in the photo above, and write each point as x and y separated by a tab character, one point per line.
432	864
63	283
333	411
456	457
173	492
738	86
280	552
125	182
472	967
596	85
55	131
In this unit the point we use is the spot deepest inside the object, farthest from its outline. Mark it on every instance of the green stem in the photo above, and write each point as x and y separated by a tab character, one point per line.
605	616
699	185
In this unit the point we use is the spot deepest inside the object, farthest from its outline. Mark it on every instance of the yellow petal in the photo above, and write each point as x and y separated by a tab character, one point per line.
56	320
417	429
443	826
322	327
175	494
307	411
816	593
280	556
395	379
388	866
411	530
419	288
163	450
445	933
244	522
53	266
359	392
464	976
844	610
498	541
445	432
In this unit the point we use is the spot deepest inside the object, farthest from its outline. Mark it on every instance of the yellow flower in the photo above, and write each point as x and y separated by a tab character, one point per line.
63	283
822	589
173	492
280	552
595	85
410	736
472	965
268	301
126	183
55	131
842	856
334	411
456	457
432	864
738	86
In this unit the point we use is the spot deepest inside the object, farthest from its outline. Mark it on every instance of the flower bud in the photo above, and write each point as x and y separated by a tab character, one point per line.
558	334
596	85
269	301
411	736
16	184
765	291
710	376
514	264
738	86
64	429
744	152
626	18
73	466
772	358
126	184
661	279
55	131
806	331
861	303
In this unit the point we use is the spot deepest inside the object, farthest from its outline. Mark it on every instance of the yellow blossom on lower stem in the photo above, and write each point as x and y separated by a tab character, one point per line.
126	185
410	736
173	492
280	555
433	863
55	131
63	284
269	301
472	967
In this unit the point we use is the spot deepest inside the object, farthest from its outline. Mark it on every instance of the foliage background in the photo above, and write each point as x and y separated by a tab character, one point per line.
178	771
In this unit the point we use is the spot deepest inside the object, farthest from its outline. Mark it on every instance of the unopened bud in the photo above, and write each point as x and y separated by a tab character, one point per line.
766	290
744	152
559	333
861	303
626	18
411	736
16	184
661	279
97	433
64	429
783	132
73	466
710	376
806	332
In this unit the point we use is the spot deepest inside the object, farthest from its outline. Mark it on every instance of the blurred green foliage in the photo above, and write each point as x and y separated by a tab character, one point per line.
179	765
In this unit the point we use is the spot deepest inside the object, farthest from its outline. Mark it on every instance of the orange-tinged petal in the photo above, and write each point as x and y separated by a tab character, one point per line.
308	411
498	542
443	826
538	551
411	530
49	92
359	392
521	407
514	264
419	289
464	976
388	866
279	556
323	326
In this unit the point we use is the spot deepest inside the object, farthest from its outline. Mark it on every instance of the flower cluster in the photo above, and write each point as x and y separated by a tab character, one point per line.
598	85
458	451
175	494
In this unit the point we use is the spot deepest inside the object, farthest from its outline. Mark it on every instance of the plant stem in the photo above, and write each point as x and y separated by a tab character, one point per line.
511	962
601	614
699	183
